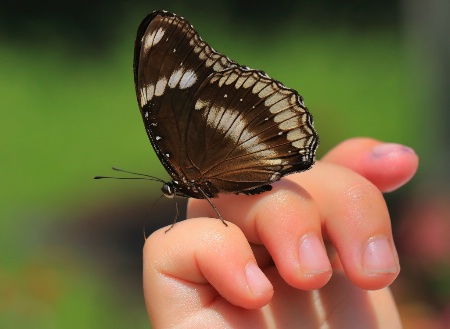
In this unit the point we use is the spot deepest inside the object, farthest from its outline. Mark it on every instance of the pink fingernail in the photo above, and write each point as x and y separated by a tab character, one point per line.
379	257
256	279
391	148
313	256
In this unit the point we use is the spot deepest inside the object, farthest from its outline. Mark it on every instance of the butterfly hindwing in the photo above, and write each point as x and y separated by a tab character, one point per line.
250	131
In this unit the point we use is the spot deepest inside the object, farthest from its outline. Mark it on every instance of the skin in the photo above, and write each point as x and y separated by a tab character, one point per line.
315	252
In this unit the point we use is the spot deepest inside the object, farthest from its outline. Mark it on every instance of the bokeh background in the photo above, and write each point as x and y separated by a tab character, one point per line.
70	247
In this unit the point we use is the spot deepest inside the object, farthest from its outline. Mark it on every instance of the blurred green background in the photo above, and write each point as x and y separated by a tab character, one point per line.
70	247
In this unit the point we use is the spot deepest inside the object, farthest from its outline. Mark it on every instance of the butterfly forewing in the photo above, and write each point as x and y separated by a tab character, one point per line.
215	125
171	62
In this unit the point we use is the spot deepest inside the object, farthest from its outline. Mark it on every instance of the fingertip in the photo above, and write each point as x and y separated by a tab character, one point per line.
259	285
287	223
204	253
371	265
390	165
232	269
386	165
314	261
389	149
379	257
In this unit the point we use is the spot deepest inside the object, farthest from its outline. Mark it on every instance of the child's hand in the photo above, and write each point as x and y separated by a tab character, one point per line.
202	274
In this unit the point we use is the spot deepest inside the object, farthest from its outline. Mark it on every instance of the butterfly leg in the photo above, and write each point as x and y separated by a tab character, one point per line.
175	218
212	205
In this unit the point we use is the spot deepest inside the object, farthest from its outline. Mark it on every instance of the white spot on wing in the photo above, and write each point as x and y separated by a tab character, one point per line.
146	94
239	82
275	98
222	81
239	132
160	86
249	82
153	38
292	123
266	91
159	34
258	87
198	49
218	66
175	78
284	115
300	144
188	79
201	104
231	78
275	176
295	136
210	61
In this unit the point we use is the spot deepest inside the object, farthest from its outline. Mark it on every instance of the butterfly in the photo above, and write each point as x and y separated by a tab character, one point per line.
216	126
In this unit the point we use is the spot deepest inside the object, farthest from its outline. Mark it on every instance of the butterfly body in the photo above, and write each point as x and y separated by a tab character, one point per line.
216	126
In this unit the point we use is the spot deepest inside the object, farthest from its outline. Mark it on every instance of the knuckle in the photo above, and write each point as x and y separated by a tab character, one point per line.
362	192
362	200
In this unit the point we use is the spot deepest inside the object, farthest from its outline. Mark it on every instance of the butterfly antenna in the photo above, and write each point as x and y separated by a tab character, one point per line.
112	177
139	174
144	176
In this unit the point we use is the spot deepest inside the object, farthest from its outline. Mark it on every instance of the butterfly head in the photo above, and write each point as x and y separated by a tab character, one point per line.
168	189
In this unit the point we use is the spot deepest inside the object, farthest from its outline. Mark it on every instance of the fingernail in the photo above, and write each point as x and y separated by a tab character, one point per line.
313	256
256	279
379	257
391	148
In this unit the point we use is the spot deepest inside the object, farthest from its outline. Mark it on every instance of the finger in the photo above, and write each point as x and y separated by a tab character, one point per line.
287	222
347	306
340	304
243	211
356	221
388	166
200	264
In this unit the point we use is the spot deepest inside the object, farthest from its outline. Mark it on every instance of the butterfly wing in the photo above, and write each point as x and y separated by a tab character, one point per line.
216	126
170	63
250	130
